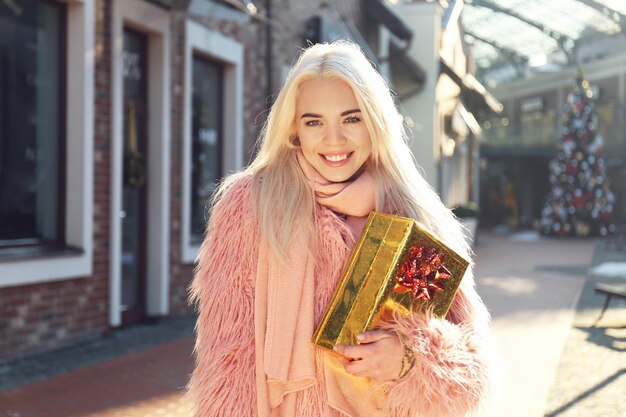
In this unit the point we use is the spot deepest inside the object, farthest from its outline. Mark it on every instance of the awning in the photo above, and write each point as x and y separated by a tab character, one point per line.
172	4
408	75
469	119
473	92
514	151
321	29
386	16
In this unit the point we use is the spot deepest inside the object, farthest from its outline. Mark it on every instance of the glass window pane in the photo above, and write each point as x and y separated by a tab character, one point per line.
30	121
206	133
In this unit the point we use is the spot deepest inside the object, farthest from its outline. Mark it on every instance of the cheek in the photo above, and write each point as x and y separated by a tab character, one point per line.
307	146
307	141
365	142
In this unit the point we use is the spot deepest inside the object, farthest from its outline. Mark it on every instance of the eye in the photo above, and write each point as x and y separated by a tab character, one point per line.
314	122
352	119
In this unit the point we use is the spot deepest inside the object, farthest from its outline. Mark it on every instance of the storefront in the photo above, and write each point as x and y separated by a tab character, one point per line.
519	144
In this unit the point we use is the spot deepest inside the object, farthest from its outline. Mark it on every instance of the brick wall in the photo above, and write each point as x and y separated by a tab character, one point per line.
40	317
180	274
48	316
252	36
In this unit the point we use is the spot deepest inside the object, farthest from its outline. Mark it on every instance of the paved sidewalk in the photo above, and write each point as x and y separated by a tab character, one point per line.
120	342
544	309
532	289
137	372
591	377
142	384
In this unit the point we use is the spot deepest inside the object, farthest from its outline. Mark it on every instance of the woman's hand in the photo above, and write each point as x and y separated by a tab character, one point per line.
378	356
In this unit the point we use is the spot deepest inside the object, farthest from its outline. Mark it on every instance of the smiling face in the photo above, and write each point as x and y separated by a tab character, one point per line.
333	135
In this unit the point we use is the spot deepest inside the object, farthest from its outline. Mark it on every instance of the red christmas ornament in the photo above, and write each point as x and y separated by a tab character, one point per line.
423	272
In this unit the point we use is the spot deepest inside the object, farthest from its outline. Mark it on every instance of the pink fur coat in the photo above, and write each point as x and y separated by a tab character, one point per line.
454	368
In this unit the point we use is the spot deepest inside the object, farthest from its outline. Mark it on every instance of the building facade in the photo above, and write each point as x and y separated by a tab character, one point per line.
118	118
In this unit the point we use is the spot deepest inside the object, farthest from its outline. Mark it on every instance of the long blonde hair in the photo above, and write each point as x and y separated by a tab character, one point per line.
285	202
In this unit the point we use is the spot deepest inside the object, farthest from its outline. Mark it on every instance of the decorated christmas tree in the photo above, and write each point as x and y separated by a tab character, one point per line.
580	202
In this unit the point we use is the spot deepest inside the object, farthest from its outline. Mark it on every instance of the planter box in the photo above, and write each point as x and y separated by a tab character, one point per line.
471	226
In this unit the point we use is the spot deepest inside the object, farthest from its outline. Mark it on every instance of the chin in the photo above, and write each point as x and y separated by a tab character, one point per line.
339	177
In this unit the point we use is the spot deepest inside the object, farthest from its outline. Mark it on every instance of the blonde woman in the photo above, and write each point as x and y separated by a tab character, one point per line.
279	236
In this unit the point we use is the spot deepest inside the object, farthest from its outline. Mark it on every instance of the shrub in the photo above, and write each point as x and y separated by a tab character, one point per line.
466	210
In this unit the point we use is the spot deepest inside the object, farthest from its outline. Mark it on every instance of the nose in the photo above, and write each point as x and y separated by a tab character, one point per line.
334	134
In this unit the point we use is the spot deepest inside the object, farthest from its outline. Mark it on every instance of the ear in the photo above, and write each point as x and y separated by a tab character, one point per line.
294	141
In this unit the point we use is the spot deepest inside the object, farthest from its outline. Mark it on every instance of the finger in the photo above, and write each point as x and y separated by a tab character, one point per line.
372	336
349	351
358	368
364	351
363	369
340	349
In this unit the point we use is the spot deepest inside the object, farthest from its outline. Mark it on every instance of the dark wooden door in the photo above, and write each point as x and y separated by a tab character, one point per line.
134	207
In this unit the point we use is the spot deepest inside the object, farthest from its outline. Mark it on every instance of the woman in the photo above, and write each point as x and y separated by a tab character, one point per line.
280	233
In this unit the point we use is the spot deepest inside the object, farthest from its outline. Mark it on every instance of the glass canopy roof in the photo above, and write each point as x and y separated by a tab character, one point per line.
524	34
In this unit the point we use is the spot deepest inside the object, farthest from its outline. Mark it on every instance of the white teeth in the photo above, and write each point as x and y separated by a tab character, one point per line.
336	158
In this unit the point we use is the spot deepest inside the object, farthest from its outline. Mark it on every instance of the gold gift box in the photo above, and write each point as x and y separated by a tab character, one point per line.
369	289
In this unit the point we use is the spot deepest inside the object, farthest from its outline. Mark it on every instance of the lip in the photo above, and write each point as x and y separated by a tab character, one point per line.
338	163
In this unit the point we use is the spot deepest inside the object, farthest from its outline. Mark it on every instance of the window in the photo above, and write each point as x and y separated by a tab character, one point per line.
52	41
213	124
606	100
32	111
206	134
539	119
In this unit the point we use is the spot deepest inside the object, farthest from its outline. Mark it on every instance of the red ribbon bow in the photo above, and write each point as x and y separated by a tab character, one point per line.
423	272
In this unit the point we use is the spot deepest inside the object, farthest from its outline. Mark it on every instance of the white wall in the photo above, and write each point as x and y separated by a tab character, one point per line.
425	20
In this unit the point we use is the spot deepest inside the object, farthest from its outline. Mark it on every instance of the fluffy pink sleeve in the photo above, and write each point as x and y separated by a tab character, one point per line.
222	383
455	361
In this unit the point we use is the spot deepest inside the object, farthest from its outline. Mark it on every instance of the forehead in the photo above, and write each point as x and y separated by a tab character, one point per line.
325	94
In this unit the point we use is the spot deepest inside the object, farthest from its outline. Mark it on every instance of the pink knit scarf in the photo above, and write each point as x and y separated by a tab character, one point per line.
354	199
284	304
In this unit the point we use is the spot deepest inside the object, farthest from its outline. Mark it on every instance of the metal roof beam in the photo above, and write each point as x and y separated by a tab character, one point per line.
511	55
608	12
566	43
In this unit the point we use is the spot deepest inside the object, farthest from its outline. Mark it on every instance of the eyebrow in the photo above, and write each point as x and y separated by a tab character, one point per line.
345	113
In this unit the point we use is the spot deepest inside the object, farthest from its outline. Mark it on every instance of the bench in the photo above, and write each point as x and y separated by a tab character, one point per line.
610	291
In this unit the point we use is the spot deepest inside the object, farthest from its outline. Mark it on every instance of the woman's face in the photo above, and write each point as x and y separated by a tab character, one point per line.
330	126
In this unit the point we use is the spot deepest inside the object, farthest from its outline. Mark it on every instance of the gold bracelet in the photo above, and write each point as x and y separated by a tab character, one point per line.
408	359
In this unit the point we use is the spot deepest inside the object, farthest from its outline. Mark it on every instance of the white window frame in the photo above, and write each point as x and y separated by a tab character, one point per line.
155	22
230	54
79	115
